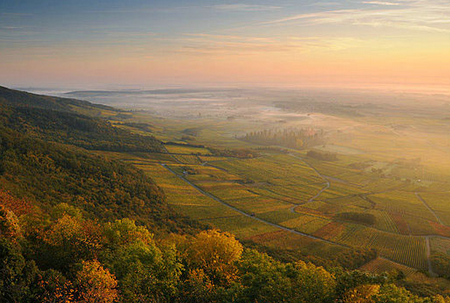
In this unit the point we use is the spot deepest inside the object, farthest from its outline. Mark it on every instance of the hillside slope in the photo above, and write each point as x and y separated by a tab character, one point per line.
17	98
58	120
34	163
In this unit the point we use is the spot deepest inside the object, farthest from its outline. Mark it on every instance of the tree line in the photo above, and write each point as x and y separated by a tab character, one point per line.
292	137
62	256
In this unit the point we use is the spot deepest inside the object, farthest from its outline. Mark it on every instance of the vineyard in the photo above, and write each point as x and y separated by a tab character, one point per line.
439	202
380	265
305	195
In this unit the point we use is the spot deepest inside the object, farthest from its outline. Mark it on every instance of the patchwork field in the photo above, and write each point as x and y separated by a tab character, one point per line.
376	194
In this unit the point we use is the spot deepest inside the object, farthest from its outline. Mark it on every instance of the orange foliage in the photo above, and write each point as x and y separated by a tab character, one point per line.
18	206
9	224
215	253
361	294
73	233
96	284
56	290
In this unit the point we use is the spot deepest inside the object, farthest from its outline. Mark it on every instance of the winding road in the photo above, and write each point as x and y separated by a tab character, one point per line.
327	185
429	208
250	215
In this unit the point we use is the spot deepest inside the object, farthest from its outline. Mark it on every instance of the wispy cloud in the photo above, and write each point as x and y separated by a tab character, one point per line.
422	15
199	44
11	27
381	3
244	7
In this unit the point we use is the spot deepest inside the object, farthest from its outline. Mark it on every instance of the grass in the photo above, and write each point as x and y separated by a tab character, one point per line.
440	245
188	159
181	149
440	203
306	224
243	227
285	240
338	189
380	265
184	198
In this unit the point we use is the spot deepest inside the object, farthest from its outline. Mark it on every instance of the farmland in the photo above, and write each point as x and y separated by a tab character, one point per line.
289	198
376	193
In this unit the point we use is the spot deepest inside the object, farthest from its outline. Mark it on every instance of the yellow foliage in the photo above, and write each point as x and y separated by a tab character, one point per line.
96	284
9	224
215	253
361	294
440	299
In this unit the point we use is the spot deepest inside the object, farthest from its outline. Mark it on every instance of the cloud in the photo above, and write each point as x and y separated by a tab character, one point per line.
417	15
241	7
11	27
200	44
381	3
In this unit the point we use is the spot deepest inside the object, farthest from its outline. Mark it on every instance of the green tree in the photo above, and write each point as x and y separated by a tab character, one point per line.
311	283
146	272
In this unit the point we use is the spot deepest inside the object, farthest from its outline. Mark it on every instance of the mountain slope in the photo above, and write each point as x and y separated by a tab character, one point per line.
16	98
50	173
58	120
34	164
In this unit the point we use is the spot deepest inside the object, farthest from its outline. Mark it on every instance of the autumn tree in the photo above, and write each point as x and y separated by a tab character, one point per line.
312	284
262	279
216	254
70	240
95	284
146	272
361	294
9	224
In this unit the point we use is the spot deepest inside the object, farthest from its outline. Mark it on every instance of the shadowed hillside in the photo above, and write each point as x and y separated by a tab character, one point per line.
58	120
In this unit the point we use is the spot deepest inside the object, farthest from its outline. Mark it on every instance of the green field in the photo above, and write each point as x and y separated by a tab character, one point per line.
376	178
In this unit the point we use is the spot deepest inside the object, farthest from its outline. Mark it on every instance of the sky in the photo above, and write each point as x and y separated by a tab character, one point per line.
156	43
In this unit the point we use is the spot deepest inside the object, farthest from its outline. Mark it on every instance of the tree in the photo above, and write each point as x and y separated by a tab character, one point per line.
70	240
312	284
216	254
145	271
124	232
95	284
55	288
361	294
9	224
390	293
262	278
16	273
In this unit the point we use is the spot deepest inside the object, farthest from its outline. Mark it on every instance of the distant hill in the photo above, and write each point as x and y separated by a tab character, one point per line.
60	120
16	98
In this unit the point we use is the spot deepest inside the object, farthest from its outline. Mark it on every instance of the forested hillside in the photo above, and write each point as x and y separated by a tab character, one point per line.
50	173
13	97
58	120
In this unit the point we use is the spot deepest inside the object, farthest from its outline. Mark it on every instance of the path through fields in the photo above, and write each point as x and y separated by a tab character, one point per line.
428	207
248	214
327	185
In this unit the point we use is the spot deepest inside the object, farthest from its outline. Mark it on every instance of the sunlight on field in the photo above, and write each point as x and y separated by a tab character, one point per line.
383	191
